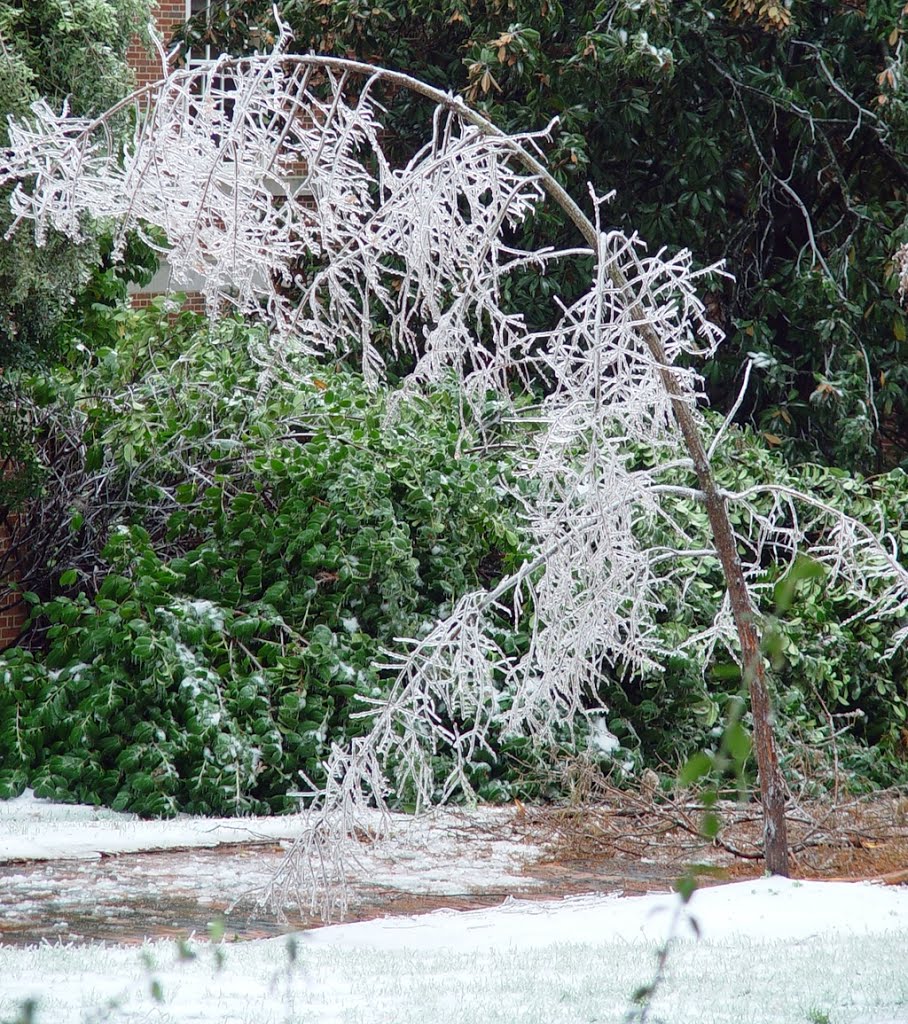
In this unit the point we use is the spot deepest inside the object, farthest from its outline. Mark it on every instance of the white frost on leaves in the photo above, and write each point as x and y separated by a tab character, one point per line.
206	613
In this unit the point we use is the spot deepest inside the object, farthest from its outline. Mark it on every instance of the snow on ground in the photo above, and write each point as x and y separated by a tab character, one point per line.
772	951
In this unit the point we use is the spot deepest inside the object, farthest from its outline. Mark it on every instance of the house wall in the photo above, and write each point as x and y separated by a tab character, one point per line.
169	15
147	63
12	609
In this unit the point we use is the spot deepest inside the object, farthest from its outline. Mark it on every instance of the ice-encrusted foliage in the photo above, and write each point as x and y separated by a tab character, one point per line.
268	177
253	168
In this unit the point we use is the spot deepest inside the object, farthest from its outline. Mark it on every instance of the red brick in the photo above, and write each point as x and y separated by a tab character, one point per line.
168	15
12	610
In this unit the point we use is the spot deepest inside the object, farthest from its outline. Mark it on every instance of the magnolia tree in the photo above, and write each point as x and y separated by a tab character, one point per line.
246	171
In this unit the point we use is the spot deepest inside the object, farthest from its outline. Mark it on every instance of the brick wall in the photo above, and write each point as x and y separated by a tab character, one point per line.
168	15
12	618
195	301
12	610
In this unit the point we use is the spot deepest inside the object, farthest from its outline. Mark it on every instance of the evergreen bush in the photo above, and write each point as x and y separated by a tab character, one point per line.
268	531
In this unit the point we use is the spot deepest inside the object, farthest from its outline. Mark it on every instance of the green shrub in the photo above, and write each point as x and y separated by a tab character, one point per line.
268	532
833	670
244	610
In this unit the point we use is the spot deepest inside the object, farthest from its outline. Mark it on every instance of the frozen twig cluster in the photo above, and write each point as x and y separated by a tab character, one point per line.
268	177
244	173
782	522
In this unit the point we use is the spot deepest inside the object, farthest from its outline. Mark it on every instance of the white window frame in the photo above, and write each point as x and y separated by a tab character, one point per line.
201	6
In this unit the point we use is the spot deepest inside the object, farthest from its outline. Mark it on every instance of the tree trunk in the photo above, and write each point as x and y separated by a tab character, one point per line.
772	786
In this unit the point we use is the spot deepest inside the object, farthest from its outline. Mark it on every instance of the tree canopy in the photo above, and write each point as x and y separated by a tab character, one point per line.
71	53
773	136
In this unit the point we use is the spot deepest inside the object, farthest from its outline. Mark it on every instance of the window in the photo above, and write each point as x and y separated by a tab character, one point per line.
202	54
205	54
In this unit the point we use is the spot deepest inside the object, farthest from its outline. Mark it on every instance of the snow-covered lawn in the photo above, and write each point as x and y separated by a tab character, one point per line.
770	951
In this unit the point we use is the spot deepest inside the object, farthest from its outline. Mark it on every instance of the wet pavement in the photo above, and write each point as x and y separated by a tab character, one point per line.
77	875
131	897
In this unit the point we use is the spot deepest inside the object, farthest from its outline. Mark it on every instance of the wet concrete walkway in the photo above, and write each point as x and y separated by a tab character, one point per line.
131	897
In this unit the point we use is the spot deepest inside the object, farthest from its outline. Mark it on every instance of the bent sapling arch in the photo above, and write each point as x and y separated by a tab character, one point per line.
251	168
772	787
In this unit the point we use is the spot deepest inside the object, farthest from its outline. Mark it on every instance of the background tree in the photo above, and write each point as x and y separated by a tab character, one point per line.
773	136
72	53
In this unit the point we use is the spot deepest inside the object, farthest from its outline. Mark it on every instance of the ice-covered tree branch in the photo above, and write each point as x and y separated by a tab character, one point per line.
268	177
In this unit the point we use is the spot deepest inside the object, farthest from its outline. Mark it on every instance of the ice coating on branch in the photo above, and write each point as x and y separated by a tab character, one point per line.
242	173
267	178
